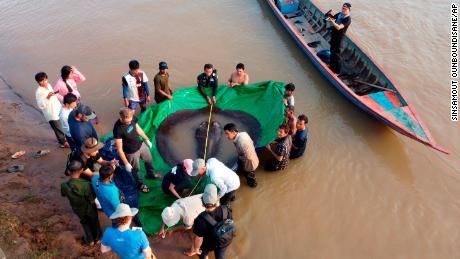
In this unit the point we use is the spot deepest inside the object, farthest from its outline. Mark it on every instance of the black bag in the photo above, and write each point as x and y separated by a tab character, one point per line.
223	231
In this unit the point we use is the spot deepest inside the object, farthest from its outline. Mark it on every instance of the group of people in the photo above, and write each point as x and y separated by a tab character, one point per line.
91	177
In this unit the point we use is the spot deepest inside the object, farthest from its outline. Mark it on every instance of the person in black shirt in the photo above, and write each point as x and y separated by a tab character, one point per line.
340	23
88	155
131	149
204	241
299	141
208	79
178	180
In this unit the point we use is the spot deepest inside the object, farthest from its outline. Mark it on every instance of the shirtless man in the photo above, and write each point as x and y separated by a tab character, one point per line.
239	77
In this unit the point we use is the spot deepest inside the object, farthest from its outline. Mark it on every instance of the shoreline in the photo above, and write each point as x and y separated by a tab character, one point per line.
35	220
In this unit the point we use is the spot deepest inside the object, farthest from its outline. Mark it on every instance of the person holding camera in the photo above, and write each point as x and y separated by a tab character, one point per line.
340	23
208	79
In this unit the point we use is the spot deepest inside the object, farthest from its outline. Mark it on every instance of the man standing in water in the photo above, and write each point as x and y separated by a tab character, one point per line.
239	77
208	79
247	157
340	23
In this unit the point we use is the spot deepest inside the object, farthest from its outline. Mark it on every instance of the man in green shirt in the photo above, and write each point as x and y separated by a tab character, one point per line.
163	90
81	197
208	79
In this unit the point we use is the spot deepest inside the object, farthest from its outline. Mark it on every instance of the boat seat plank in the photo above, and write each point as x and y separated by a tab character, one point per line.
393	98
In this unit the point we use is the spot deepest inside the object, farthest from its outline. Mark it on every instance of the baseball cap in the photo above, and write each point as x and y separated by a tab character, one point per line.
210	194
163	65
86	111
197	165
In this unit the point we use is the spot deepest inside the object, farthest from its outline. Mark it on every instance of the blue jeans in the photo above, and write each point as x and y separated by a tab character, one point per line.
133	105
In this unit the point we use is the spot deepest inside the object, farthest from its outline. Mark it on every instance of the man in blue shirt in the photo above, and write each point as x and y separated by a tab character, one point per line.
299	142
106	191
126	243
80	126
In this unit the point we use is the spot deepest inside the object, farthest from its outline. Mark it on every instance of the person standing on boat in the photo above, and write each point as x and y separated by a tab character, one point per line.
208	79
340	23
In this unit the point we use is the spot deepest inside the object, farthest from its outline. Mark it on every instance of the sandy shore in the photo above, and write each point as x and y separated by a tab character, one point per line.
35	221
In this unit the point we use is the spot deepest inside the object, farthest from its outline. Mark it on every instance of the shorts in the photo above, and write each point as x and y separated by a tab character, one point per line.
134	104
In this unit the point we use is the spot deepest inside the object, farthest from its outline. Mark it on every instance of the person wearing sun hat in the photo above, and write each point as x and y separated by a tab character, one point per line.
90	158
122	240
184	210
178	180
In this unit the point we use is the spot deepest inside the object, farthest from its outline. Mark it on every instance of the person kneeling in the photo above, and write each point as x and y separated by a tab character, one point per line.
178	180
185	210
280	151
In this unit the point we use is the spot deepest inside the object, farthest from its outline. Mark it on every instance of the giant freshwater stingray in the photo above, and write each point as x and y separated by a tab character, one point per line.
168	148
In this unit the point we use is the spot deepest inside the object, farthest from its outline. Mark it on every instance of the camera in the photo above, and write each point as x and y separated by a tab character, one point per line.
328	15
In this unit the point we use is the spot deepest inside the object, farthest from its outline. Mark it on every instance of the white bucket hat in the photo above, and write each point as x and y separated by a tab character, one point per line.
123	210
171	215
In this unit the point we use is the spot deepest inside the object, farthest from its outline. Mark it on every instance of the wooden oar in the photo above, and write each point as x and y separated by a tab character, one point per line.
372	85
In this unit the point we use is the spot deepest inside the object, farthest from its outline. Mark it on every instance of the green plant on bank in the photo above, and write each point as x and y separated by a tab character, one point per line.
44	254
8	225
31	197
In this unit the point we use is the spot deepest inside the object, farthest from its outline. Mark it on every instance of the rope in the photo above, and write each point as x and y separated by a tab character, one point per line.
204	158
205	146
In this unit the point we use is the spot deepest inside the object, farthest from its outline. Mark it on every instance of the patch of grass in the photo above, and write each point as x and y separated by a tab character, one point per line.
31	197
8	225
45	254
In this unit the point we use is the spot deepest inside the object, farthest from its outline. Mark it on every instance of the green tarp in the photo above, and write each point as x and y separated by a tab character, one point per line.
264	101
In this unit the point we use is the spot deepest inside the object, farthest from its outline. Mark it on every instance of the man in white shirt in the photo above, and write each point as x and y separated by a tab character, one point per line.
185	210
50	106
223	177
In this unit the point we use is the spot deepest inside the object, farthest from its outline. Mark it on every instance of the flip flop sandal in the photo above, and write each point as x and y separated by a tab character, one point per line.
15	169
41	153
144	188
18	154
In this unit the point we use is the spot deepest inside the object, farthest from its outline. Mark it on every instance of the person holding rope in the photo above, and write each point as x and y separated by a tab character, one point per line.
208	79
223	177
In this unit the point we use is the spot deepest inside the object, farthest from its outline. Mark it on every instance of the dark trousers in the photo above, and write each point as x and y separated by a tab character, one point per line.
227	198
134	159
336	60
57	128
91	227
72	145
219	253
249	175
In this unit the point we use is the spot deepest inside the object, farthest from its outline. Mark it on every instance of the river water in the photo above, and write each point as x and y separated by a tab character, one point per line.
361	191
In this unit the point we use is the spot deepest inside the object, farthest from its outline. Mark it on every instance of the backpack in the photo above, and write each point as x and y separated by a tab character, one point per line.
223	231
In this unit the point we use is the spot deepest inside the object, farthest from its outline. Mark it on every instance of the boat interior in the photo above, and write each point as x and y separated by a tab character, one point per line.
356	72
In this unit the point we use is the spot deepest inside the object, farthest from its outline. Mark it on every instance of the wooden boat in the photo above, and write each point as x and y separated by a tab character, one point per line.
361	80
